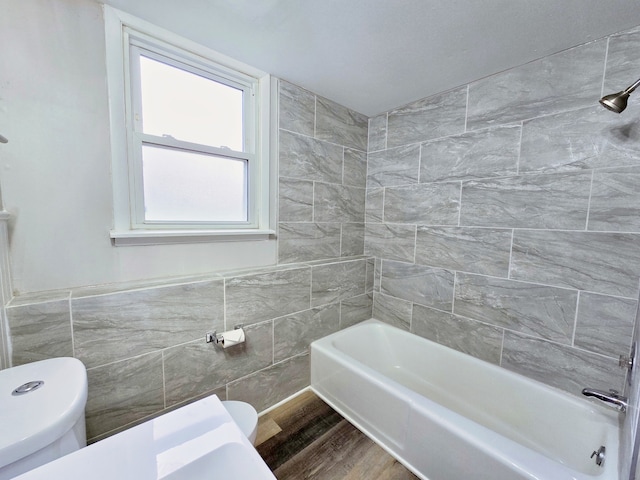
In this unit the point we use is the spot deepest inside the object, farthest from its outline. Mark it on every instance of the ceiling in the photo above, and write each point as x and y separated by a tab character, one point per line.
374	55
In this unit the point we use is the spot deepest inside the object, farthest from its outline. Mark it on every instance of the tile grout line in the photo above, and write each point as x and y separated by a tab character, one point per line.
575	321
593	174
604	68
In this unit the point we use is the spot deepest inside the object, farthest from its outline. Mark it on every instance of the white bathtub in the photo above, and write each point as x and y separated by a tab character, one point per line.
449	416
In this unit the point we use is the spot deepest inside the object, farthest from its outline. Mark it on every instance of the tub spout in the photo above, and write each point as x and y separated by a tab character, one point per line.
611	397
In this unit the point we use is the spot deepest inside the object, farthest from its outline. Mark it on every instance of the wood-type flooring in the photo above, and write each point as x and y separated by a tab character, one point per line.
306	439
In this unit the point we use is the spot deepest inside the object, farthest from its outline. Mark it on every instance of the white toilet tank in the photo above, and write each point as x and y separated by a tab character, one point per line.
41	413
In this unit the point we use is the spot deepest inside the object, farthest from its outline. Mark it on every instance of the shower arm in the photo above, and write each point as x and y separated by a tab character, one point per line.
631	88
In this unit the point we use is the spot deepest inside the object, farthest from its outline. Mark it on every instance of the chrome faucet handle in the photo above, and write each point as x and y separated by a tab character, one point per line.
599	454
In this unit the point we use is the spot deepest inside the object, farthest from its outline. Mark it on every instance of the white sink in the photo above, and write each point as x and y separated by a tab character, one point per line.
197	441
228	461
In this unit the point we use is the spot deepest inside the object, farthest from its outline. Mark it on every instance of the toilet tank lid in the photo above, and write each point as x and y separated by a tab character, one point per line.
31	421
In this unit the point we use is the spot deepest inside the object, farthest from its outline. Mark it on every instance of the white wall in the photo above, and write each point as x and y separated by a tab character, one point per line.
55	170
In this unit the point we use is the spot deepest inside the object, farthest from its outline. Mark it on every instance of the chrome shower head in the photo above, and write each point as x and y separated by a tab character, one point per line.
617	102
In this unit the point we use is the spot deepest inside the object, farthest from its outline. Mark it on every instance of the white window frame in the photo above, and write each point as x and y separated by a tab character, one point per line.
123	30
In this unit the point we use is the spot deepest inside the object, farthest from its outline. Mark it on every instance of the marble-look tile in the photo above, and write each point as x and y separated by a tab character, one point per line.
462	334
377	273
272	385
309	159
374	205
220	392
355	168
426	203
337	281
538	88
293	334
606	263
622	63
396	166
561	366
392	310
538	310
197	367
338	203
432	117
554	201
371	274
295	200
297	109
615	200
340	125
255	298
39	297
129	286
474	250
419	284
123	392
581	139
39	331
481	154
378	133
255	270
393	242
352	243
113	327
605	324
302	242
356	309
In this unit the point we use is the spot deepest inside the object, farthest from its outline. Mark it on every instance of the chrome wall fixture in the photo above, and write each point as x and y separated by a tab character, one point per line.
3	139
617	102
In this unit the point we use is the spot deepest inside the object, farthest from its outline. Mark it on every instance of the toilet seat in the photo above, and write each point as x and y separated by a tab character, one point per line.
245	417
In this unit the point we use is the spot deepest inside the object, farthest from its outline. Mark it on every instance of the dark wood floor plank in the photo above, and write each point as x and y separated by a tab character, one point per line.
331	456
301	427
316	443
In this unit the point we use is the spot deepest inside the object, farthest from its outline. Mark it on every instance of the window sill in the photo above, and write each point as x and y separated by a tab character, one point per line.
124	238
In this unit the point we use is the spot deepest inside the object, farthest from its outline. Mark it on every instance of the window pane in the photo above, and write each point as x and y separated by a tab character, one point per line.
191	187
190	107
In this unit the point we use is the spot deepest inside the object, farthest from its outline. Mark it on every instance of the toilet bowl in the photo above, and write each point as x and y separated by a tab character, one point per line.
41	413
245	416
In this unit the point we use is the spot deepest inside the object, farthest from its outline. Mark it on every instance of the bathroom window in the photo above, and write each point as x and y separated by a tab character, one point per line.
190	138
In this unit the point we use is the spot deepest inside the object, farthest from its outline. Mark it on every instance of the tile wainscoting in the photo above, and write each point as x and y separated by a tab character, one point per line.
144	347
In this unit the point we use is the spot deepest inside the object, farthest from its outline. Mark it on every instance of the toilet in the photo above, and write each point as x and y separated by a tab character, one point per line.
245	416
41	412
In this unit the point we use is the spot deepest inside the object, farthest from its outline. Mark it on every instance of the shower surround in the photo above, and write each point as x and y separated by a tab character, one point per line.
504	216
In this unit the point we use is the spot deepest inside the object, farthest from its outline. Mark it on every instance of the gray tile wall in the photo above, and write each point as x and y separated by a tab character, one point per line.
144	345
504	216
322	178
